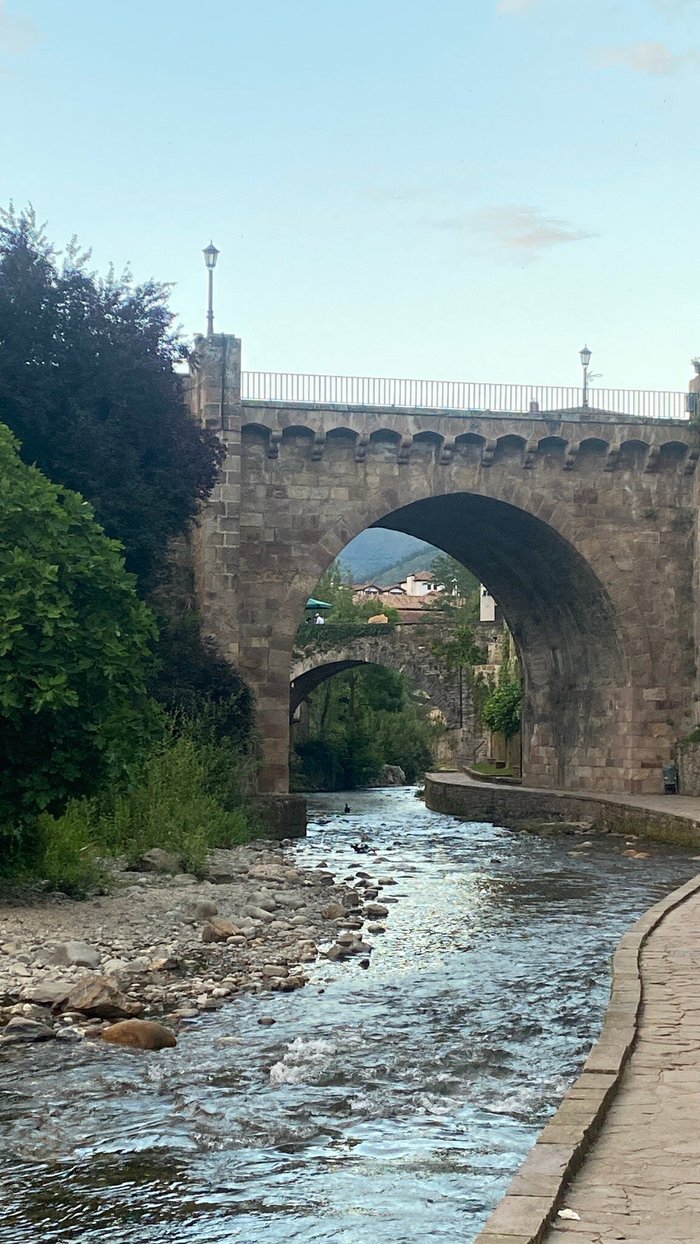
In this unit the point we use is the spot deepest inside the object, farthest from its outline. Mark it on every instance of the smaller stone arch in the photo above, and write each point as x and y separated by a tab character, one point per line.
591	456
672	456
552	450
469	447
633	454
511	449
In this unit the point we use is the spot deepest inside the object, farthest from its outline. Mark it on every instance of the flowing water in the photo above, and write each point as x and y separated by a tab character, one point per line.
386	1105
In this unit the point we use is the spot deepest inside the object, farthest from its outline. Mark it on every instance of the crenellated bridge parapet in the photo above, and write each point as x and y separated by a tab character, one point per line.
600	440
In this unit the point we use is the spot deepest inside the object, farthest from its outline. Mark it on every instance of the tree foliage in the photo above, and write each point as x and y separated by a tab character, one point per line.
462	587
502	710
360	721
88	385
74	647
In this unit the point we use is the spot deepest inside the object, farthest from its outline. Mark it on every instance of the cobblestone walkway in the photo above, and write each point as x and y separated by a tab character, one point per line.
641	1179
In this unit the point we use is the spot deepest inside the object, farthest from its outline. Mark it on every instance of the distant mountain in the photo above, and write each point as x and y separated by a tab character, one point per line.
422	560
376	552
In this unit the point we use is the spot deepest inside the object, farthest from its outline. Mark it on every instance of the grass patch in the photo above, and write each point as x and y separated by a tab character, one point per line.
492	770
192	794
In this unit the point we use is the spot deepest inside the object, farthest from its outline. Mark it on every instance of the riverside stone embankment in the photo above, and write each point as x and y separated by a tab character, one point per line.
168	945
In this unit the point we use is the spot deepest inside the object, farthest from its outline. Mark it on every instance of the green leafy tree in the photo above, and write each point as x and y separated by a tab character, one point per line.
88	385
75	648
462	588
360	721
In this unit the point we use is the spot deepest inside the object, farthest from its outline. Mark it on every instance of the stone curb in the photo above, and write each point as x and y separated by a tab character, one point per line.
529	1206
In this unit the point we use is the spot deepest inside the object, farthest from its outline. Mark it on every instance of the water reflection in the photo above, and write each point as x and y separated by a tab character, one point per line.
384	1105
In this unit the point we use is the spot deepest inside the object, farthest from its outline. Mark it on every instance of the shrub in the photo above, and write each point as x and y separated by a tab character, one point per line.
175	806
74	649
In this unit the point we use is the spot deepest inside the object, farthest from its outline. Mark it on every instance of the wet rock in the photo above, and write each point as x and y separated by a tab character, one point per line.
376	909
289	983
157	860
140	1034
266	1021
68	1034
351	899
275	969
218	930
390	880
376	928
333	911
21	1029
95	995
336	951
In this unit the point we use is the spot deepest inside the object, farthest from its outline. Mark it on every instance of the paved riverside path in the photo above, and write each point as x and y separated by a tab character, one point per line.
640	1181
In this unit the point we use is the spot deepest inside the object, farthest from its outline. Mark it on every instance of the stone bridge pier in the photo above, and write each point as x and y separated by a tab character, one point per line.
580	523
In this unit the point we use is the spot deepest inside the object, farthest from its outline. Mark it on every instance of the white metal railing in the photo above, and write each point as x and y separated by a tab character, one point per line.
458	395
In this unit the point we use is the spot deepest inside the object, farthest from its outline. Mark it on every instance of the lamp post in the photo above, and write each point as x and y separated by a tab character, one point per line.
585	356
211	255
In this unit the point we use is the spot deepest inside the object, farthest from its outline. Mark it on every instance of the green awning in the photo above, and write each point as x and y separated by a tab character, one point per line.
312	603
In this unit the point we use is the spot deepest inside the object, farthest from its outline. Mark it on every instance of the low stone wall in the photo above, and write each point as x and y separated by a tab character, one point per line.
536	1193
512	806
689	768
284	816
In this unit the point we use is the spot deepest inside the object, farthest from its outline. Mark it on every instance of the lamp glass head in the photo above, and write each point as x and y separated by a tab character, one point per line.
585	354
211	255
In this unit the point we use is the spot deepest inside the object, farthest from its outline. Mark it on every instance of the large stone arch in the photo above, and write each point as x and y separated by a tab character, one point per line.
582	527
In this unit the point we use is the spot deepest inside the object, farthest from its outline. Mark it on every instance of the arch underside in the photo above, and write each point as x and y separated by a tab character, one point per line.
302	686
576	672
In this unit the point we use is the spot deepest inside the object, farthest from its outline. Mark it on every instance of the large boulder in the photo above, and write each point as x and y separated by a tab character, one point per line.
140	1034
21	1028
95	995
46	992
157	860
391	775
75	955
218	930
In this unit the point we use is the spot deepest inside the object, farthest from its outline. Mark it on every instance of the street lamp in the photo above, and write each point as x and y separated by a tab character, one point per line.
211	255
585	356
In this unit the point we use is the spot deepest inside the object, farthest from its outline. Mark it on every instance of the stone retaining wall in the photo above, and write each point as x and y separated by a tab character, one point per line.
512	806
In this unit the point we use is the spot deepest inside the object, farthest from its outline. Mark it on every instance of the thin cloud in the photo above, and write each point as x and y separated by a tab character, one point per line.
518	231
401	194
675	7
656	59
516	7
17	34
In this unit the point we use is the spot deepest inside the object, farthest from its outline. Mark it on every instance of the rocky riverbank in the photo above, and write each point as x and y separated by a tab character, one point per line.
165	945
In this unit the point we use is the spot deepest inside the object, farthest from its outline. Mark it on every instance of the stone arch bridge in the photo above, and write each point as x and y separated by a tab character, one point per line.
581	523
408	649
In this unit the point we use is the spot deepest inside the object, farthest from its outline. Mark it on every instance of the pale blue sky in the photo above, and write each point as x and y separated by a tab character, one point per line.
465	189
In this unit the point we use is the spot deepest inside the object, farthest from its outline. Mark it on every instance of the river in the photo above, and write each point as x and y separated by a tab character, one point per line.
386	1105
